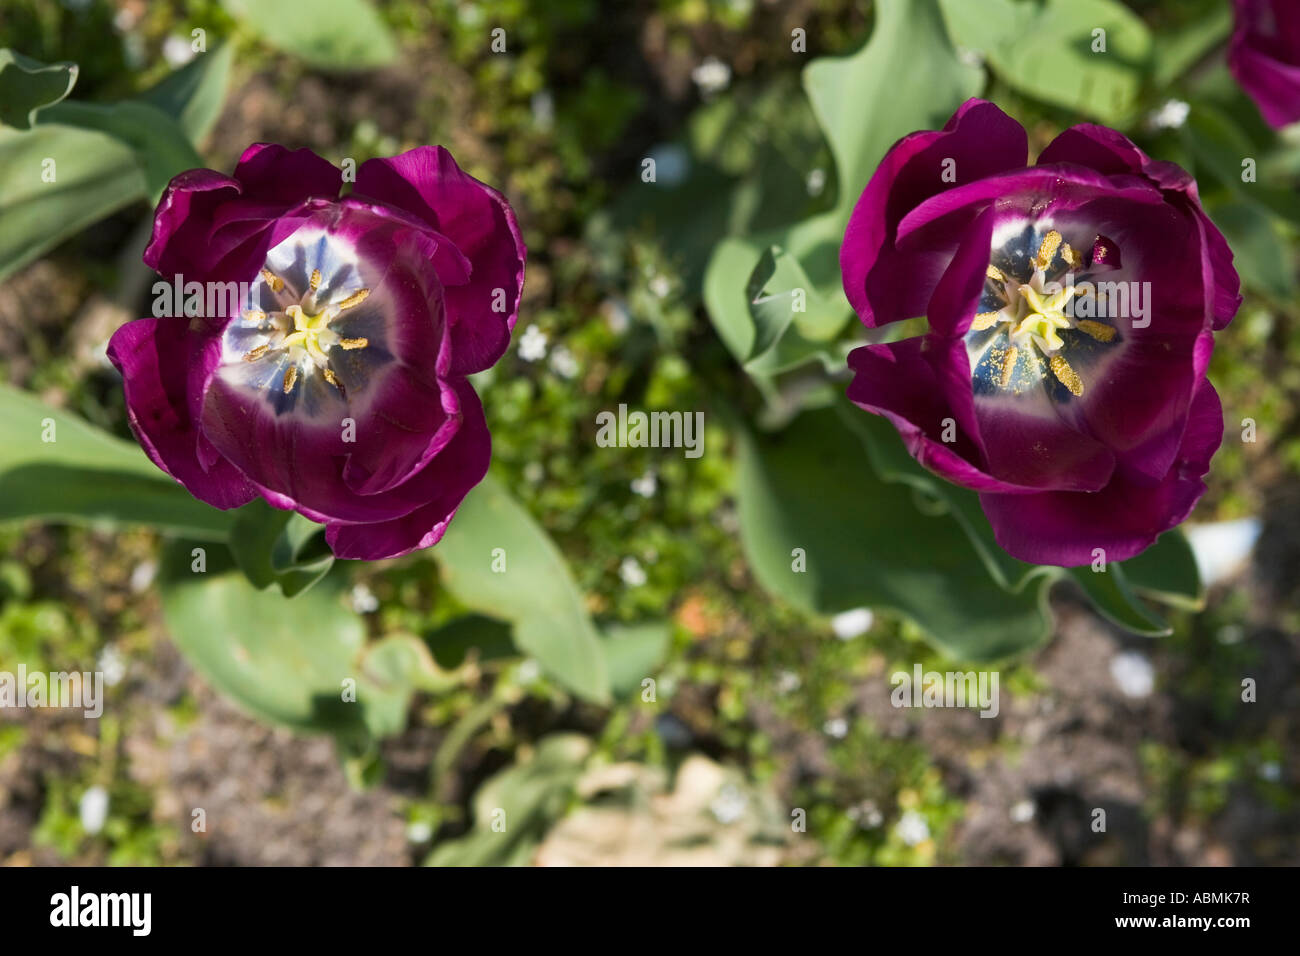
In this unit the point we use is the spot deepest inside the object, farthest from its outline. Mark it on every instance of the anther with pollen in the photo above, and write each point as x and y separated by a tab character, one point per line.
354	343
254	315
985	320
356	298
1047	251
256	353
273	280
290	378
333	380
994	273
1067	376
1098	330
1008	365
314	281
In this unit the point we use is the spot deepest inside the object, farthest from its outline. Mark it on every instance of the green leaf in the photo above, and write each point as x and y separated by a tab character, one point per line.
193	95
161	147
1167	572
281	661
489	637
535	592
27	85
514	809
94	176
635	652
1047	50
780	292
867	101
1111	594
865	544
279	547
85	474
335	34
1209	24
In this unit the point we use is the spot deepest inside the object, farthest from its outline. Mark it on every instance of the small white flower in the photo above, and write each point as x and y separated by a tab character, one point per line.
543	108
660	286
418	831
363	599
177	51
787	682
1171	115
616	315
1271	771
529	671
836	727
142	576
112	664
672	164
711	76
532	347
632	573
563	363
1133	673
534	472
729	805
1023	811
912	828
816	182
850	624
646	485
93	809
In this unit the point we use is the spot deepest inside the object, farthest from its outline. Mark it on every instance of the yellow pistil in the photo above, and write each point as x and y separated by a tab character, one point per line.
1009	358
1098	330
273	280
1067	376
290	377
1046	252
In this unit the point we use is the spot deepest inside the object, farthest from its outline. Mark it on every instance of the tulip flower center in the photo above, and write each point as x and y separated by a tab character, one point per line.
1027	322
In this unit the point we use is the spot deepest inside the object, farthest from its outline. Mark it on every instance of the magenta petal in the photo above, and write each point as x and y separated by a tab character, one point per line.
272	173
153	357
427	183
882	285
183	222
1122	519
1264	57
898	381
444	482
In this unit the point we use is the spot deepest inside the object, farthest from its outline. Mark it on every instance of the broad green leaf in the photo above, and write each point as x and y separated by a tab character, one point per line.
1218	147
1086	55
56	181
527	797
87	475
279	547
160	145
1261	254
906	78
1167	572
1111	594
1208	25
334	34
865	544
487	636
780	292
635	652
27	85
289	662
193	95
535	592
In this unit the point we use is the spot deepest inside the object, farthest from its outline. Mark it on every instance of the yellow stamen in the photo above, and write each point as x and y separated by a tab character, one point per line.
315	278
290	377
985	320
273	280
256	353
1067	376
356	298
332	378
994	273
354	343
1008	365
1046	252
1098	330
1072	258
255	315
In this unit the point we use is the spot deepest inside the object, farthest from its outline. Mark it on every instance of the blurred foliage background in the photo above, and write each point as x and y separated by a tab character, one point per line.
770	737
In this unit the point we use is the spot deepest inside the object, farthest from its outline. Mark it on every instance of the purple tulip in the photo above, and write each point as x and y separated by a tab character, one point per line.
333	382
1264	56
1071	306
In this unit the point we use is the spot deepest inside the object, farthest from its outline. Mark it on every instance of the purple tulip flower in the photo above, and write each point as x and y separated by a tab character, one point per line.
1071	307
1264	56
333	382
